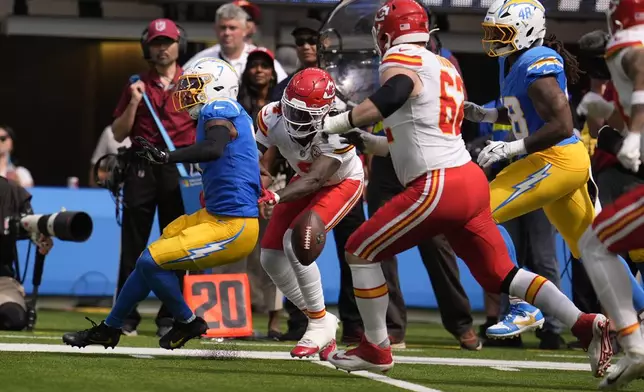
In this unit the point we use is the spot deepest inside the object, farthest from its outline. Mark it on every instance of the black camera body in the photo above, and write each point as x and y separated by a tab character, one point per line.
115	167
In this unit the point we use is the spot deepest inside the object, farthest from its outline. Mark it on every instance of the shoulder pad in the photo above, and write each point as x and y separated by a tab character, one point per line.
543	61
268	117
624	39
221	108
406	56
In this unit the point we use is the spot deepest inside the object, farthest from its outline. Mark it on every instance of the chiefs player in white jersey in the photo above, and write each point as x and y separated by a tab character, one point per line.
619	227
329	182
421	103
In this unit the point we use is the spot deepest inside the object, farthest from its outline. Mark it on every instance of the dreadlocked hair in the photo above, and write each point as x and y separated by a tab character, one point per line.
571	65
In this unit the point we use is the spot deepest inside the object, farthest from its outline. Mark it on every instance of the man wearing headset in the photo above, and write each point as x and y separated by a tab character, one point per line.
146	186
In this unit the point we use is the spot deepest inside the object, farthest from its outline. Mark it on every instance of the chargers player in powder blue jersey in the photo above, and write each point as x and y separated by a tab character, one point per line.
555	165
223	232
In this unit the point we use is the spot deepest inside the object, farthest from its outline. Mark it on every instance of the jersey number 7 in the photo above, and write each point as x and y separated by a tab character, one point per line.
451	101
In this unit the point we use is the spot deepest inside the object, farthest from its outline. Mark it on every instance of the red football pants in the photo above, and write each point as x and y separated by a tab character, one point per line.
454	202
331	203
620	226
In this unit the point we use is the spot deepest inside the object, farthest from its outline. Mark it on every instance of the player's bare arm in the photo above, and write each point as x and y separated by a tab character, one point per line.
397	86
552	106
218	133
633	64
321	170
266	159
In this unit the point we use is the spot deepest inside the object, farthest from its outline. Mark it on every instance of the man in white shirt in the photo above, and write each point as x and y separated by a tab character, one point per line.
231	27
106	145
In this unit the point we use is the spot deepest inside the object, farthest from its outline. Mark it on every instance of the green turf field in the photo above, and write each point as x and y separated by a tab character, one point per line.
33	362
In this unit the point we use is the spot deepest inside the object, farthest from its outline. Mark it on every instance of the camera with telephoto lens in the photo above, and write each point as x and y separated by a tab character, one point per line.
74	226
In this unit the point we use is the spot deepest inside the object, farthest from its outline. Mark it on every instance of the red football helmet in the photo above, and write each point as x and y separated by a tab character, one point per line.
623	14
398	22
308	97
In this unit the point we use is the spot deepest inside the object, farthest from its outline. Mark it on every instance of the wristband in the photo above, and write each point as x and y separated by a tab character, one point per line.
637	98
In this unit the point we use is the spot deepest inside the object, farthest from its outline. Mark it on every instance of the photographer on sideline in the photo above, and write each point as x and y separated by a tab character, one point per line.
14	201
147	186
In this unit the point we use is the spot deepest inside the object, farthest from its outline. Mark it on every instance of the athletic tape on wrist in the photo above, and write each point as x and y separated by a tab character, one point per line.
637	98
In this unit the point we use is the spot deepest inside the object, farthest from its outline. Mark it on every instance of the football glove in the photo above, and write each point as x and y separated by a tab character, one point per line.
479	114
629	153
498	151
367	142
151	153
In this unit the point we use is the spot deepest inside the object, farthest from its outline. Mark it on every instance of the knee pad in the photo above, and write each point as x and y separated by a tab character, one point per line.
13	317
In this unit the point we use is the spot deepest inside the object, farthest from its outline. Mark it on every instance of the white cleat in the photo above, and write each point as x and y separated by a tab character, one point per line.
629	368
319	335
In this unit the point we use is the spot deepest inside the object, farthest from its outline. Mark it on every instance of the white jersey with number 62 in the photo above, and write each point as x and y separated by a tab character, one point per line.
425	133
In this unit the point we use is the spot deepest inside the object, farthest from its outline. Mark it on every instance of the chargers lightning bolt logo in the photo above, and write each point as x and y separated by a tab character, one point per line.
208	249
527	184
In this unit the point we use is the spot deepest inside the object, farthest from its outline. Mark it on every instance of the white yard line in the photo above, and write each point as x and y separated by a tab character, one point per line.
233	354
385	380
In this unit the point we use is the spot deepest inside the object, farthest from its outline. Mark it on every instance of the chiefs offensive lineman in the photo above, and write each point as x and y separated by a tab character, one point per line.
619	228
421	102
329	181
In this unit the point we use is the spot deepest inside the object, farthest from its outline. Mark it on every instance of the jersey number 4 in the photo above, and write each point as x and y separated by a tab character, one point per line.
452	99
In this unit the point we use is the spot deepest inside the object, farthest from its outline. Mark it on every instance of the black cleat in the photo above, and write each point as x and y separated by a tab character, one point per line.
100	334
181	333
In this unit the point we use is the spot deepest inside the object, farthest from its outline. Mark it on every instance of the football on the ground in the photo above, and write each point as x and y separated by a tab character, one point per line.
308	237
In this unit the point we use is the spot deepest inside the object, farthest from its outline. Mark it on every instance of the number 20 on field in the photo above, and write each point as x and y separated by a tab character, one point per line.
223	301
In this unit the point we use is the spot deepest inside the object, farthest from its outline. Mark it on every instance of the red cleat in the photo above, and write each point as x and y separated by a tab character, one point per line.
366	356
593	332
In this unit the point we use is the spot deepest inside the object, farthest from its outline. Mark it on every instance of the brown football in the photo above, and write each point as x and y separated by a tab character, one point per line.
308	237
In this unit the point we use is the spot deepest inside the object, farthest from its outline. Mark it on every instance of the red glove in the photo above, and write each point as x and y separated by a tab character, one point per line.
202	200
268	197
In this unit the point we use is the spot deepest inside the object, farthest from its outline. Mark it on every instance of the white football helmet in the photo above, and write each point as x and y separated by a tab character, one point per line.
512	25
202	82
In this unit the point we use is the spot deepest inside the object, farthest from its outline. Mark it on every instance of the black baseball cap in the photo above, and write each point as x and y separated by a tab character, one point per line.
309	25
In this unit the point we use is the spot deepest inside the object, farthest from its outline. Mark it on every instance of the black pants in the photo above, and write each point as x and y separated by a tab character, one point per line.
437	255
349	315
146	187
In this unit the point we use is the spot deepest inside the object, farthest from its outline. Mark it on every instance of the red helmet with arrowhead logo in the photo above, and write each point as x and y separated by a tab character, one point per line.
398	22
623	14
308	97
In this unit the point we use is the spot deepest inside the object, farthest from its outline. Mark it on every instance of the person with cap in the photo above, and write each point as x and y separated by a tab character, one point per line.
253	20
231	25
148	187
18	174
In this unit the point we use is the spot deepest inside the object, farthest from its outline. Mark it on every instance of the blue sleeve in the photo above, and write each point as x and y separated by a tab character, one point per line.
509	244
547	64
221	108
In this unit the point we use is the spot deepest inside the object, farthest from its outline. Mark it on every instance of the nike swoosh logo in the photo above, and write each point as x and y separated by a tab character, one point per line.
531	320
177	343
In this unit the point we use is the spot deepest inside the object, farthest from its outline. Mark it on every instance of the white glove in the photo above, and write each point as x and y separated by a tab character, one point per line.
497	151
595	106
629	153
478	114
372	144
337	124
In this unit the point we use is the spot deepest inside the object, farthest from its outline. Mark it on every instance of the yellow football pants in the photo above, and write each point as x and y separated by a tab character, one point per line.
555	180
200	241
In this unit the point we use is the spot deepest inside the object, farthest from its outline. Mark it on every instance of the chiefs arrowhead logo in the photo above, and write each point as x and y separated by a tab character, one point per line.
382	13
329	92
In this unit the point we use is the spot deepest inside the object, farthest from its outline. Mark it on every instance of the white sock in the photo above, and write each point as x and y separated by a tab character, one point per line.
541	293
308	278
279	269
372	298
613	287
